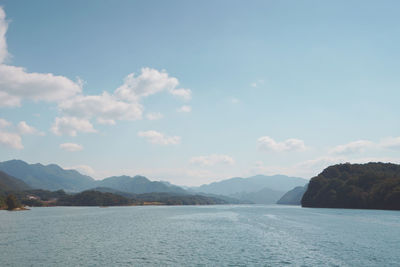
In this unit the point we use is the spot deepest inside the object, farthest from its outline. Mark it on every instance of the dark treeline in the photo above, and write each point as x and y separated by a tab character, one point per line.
2	203
360	186
177	199
10	202
93	198
96	198
40	198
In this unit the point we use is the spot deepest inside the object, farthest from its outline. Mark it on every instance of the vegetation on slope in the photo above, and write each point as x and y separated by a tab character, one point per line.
9	183
2	203
92	198
41	198
360	186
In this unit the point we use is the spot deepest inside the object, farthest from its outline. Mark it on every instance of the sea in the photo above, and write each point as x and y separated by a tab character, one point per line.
219	235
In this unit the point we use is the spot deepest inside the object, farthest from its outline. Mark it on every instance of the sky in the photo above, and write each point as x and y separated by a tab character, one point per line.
193	92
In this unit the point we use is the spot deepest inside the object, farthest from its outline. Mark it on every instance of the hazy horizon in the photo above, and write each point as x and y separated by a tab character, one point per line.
191	93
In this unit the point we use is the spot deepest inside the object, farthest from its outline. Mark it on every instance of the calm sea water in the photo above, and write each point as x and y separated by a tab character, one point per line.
199	236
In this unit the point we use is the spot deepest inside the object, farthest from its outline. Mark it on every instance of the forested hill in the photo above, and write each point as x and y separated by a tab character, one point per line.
9	184
293	197
358	186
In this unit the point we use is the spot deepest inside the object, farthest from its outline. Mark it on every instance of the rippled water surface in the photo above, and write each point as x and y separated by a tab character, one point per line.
199	236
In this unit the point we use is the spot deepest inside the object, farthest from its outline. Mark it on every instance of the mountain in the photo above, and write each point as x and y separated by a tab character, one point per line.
9	183
52	177
263	196
293	197
259	189
156	196
138	185
357	186
251	184
49	177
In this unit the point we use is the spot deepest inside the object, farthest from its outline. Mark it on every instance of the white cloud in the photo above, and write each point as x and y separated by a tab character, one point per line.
4	123
211	160
107	108
158	138
363	145
352	147
71	126
320	163
17	84
84	169
24	128
124	104
391	142
268	144
306	169
186	94
257	83
154	116
7	100
149	82
12	140
3	30
184	109
106	121
71	147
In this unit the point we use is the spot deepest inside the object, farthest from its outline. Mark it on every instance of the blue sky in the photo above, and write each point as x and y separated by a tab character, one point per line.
193	92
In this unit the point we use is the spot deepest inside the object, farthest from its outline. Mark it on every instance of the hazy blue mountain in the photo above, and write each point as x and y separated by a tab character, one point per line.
236	185
138	185
49	177
9	183
263	196
53	177
294	196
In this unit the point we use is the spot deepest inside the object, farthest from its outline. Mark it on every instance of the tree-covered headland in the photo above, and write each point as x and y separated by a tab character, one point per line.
357	186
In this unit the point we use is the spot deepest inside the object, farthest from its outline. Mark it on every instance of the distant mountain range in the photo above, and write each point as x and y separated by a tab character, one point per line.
49	177
52	177
365	186
259	189
138	185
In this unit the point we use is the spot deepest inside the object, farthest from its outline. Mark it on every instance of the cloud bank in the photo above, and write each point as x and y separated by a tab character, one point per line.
266	143
71	147
211	160
158	138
